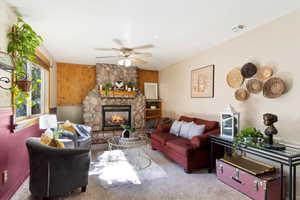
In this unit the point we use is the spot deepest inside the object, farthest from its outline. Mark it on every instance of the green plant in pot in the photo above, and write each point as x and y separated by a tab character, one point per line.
23	42
107	87
248	136
127	131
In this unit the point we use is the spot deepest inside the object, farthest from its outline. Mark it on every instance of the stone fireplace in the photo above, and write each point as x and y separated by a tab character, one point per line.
94	104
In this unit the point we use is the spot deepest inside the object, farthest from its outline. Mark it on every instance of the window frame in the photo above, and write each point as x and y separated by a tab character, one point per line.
45	95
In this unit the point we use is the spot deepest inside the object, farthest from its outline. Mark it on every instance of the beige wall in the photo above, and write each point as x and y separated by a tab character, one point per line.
276	44
7	18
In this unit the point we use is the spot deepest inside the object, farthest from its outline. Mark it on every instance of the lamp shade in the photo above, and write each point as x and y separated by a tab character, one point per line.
48	121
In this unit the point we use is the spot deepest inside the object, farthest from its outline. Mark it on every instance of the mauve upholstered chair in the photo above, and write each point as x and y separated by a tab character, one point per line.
56	172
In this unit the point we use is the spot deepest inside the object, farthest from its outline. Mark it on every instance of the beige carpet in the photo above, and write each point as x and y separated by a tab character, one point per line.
177	186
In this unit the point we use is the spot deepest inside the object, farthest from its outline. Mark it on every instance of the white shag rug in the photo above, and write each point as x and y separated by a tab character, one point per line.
119	167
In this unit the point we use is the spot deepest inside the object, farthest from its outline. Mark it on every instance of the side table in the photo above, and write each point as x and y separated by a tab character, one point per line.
289	157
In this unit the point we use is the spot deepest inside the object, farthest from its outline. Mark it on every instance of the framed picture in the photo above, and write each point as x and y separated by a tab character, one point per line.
151	90
202	82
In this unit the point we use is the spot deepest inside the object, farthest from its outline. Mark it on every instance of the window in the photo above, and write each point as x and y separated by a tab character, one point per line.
39	96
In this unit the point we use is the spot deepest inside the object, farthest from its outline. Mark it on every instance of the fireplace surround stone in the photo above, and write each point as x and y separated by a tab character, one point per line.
93	102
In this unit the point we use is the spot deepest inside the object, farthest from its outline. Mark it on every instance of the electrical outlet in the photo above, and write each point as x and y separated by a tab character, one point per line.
4	176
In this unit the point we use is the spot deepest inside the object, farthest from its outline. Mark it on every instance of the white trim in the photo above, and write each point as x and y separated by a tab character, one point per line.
44	94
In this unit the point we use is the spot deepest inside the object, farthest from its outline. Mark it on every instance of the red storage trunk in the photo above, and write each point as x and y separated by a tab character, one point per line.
262	187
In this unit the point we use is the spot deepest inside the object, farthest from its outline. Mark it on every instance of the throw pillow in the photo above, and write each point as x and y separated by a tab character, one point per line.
196	130
45	139
68	126
185	129
83	130
57	144
175	128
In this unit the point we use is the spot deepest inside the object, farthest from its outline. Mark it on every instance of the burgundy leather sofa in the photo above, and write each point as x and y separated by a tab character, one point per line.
189	153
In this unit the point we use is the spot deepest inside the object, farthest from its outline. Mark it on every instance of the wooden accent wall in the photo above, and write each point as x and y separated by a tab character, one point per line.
74	81
147	76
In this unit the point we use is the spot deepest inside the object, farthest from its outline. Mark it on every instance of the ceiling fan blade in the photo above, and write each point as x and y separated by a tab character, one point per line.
143	47
109	57
118	42
143	55
137	60
107	49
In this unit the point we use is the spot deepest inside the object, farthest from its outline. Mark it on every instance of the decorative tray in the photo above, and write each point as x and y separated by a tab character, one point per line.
249	165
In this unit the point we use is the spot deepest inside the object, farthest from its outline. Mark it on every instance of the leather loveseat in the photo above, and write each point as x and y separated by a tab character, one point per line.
189	153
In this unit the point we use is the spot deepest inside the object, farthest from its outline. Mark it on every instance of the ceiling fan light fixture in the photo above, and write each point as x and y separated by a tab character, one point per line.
125	62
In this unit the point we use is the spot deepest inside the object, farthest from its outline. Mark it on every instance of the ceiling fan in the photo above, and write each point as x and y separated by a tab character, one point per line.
127	56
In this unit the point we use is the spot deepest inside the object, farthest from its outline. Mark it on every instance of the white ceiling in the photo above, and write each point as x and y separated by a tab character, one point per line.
72	29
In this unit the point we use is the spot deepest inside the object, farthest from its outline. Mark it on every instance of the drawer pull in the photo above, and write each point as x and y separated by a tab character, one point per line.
221	168
255	185
237	180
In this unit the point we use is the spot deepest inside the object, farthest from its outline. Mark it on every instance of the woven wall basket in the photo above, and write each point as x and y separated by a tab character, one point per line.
241	94
263	73
249	70
274	87
234	78
254	86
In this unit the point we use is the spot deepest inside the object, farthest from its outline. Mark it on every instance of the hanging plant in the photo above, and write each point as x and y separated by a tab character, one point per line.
23	42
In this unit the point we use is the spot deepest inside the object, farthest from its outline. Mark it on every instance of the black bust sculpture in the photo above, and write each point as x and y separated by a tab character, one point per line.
269	120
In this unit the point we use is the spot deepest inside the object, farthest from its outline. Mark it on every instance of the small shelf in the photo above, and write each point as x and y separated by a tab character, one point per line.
153	117
152	109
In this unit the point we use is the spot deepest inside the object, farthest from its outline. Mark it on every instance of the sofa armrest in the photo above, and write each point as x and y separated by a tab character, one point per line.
201	141
163	128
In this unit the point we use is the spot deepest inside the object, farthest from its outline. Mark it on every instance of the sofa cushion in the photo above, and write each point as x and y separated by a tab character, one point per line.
163	137
181	146
186	119
209	125
175	128
185	129
195	130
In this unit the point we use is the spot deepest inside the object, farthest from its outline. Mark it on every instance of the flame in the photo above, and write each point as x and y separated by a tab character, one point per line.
117	119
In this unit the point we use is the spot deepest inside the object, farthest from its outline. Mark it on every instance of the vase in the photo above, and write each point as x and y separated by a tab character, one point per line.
125	134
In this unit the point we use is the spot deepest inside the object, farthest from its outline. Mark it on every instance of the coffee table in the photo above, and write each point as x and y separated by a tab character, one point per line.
117	142
127	145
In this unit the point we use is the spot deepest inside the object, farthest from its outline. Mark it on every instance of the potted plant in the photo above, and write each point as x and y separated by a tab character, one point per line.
248	136
127	131
107	87
23	42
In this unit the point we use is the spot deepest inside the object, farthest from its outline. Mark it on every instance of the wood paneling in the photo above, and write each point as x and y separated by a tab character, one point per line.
74	81
147	76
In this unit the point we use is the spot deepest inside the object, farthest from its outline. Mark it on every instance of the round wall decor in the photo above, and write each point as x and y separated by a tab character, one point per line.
241	94
263	73
254	86
249	70
234	78
274	87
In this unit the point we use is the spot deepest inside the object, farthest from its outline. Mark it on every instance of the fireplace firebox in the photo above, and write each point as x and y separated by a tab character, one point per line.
113	116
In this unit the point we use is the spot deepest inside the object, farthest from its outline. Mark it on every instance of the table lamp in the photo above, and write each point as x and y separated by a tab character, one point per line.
47	122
